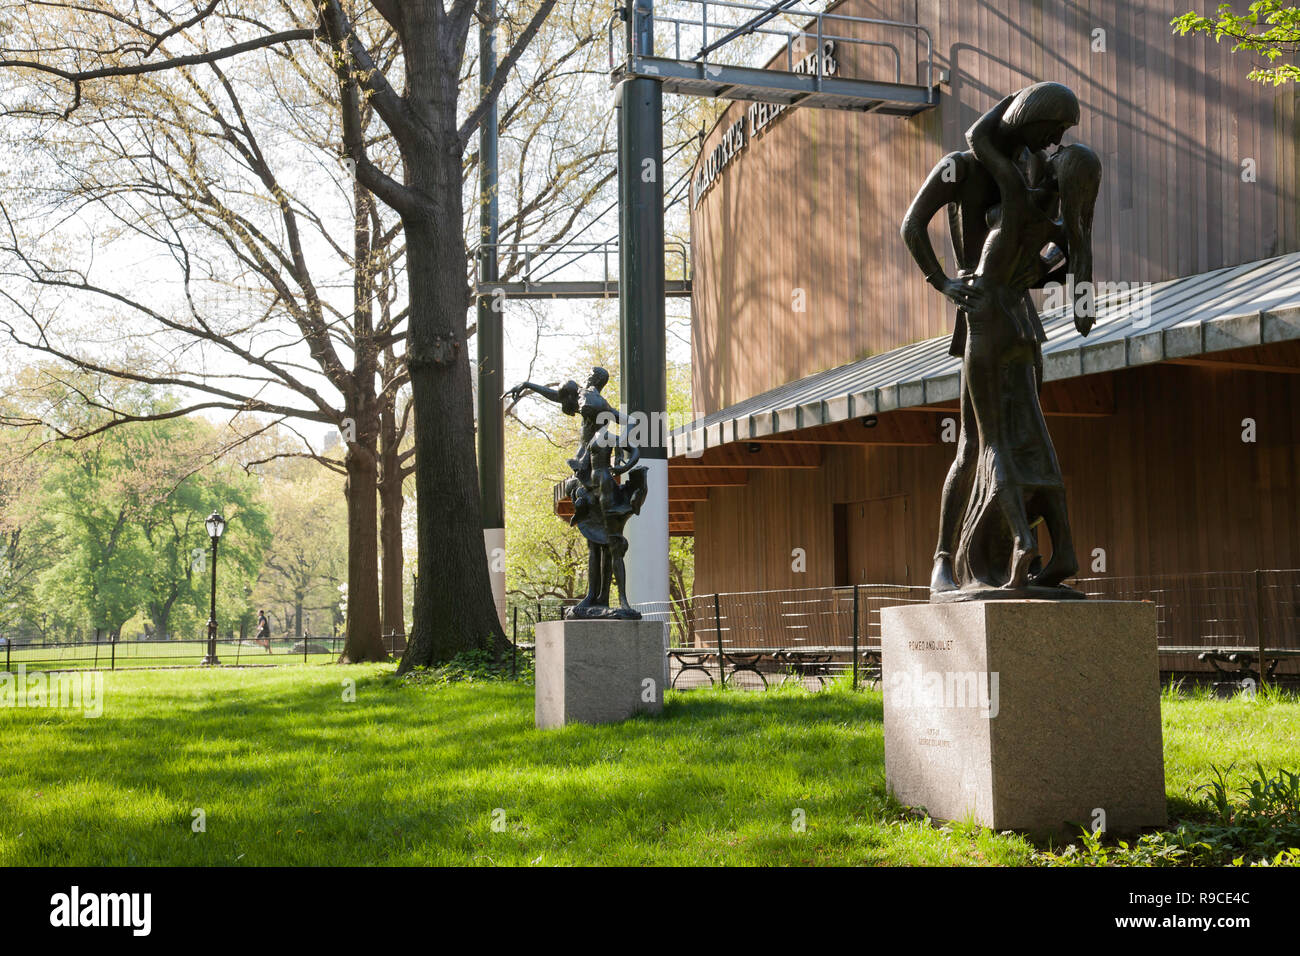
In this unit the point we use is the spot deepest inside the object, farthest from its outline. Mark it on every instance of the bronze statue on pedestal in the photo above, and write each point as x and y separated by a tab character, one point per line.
606	489
1020	218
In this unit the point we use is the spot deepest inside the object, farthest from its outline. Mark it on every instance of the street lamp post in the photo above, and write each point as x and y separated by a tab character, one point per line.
216	525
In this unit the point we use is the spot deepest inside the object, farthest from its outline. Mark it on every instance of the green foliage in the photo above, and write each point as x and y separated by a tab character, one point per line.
1255	824
111	525
305	559
477	666
129	507
545	557
1269	28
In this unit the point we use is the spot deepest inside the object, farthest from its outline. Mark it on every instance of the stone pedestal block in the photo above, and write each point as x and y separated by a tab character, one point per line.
598	672
1039	716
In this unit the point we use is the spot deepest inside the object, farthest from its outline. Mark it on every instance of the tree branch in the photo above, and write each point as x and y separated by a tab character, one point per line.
503	70
78	77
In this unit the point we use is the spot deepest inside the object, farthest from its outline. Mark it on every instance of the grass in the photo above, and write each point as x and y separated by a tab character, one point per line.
286	771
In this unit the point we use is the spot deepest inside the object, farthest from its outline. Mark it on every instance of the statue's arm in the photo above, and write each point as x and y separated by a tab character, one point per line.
939	189
1042	270
983	140
633	457
550	394
607	414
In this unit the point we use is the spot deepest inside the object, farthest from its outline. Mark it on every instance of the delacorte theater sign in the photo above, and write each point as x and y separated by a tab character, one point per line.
759	117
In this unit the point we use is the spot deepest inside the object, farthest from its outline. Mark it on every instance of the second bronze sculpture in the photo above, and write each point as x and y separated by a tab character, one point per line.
607	488
1020	217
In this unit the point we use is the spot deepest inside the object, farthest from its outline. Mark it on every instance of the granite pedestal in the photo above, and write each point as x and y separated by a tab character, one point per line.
1038	716
598	671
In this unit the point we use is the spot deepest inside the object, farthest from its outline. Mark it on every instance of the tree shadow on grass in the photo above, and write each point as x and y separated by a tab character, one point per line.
295	775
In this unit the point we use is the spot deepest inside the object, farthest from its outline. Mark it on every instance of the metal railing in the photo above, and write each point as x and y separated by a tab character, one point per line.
1251	611
732	20
536	262
184	652
1255	613
810	634
823	631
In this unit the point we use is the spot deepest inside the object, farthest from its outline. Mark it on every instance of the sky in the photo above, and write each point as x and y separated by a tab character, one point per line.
540	336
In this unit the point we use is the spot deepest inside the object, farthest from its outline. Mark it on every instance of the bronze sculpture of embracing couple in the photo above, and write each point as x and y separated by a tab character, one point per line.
1021	217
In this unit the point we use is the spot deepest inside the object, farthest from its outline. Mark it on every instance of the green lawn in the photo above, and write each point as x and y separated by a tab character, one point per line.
288	772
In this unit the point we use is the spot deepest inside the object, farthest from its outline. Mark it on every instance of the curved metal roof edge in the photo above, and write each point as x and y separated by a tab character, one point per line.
1255	303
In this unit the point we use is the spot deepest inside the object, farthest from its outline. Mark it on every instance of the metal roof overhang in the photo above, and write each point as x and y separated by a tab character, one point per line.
1254	304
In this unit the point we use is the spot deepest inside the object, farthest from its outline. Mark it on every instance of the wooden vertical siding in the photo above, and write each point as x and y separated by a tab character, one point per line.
815	203
1166	485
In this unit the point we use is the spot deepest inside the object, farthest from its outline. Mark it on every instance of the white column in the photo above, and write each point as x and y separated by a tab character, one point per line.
494	543
647	552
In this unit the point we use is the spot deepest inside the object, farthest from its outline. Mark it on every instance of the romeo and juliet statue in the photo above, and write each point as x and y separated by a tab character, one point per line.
1020	209
607	488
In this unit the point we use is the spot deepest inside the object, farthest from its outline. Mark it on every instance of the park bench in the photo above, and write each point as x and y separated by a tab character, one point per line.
802	660
1237	662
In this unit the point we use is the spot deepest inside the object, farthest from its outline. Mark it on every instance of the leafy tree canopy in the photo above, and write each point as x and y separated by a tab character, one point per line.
1269	28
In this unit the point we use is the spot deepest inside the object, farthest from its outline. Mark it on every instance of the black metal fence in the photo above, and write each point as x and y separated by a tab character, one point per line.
756	638
121	654
1254	612
761	638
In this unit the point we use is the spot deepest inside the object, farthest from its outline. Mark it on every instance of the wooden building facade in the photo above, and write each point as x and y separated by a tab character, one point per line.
1180	465
797	262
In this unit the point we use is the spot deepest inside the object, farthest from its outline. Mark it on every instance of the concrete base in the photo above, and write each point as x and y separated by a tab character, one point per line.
1039	716
598	672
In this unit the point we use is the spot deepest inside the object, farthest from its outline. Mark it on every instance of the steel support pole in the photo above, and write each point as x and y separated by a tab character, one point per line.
1260	631
855	637
491	357
641	311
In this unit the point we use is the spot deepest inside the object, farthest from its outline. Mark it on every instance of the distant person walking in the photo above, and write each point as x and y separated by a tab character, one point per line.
263	635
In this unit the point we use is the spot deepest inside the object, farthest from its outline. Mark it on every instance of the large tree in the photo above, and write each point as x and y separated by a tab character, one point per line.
454	609
415	97
207	168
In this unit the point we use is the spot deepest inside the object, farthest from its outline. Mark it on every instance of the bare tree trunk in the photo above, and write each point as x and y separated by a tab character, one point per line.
364	638
364	641
454	610
391	504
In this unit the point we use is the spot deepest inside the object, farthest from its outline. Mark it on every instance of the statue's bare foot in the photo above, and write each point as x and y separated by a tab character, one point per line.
941	578
1021	559
1061	566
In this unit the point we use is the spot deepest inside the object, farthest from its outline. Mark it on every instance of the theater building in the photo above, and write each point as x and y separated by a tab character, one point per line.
826	396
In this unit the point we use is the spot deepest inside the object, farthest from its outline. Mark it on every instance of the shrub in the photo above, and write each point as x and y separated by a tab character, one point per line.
469	667
1257	824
